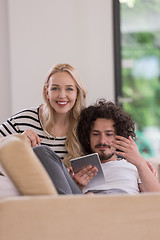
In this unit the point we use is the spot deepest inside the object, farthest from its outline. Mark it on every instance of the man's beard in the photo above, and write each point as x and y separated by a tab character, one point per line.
103	156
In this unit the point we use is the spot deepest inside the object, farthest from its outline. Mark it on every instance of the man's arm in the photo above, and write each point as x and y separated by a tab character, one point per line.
129	150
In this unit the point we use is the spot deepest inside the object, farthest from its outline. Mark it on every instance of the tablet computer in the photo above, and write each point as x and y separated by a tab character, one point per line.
93	160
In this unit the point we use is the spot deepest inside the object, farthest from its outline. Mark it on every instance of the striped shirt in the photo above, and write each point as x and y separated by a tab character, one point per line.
29	119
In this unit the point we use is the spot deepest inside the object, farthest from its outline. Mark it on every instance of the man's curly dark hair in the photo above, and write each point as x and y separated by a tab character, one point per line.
124	125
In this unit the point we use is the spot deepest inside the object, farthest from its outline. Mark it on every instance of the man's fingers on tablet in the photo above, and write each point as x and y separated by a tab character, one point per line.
84	170
93	171
90	171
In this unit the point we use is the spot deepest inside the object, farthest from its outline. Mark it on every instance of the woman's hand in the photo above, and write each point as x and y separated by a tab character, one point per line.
84	176
32	137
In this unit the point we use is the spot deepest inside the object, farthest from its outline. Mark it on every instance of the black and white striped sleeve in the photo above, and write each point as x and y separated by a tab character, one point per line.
8	128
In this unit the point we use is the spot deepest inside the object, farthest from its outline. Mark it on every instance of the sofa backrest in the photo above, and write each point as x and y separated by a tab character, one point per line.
81	217
23	167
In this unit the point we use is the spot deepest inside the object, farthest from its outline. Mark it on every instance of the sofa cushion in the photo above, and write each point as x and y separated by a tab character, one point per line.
23	167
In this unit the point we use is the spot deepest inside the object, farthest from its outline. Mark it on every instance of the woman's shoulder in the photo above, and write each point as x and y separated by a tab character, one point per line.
31	111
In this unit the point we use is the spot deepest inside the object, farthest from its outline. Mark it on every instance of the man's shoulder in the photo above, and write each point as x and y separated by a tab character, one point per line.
119	162
128	164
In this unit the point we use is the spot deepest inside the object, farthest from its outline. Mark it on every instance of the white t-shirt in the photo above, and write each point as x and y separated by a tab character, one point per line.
120	175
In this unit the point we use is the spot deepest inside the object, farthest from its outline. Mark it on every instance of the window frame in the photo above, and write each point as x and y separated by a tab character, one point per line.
117	51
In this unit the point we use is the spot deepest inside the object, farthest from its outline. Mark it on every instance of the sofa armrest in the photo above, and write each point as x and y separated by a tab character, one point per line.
23	167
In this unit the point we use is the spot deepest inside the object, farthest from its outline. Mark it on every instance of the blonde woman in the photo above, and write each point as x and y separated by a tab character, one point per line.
53	123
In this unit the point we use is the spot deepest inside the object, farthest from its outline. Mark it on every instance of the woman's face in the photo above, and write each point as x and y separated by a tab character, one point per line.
61	92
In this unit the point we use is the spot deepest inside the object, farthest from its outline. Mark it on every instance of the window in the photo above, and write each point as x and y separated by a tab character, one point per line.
137	68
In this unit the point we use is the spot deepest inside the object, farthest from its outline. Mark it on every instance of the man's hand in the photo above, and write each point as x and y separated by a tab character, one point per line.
84	176
153	170
33	138
128	149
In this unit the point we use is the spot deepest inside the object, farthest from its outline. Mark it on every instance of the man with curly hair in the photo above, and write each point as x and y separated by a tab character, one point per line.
106	129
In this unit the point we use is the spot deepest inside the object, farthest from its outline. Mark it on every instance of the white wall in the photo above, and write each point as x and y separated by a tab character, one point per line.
43	33
5	88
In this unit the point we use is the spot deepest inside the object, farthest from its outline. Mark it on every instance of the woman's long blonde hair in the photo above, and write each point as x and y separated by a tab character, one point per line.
72	143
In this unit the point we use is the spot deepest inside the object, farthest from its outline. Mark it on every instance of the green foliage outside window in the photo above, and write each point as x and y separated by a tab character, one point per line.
137	47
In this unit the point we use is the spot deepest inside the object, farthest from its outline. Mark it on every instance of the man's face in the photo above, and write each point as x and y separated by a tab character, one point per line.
101	135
